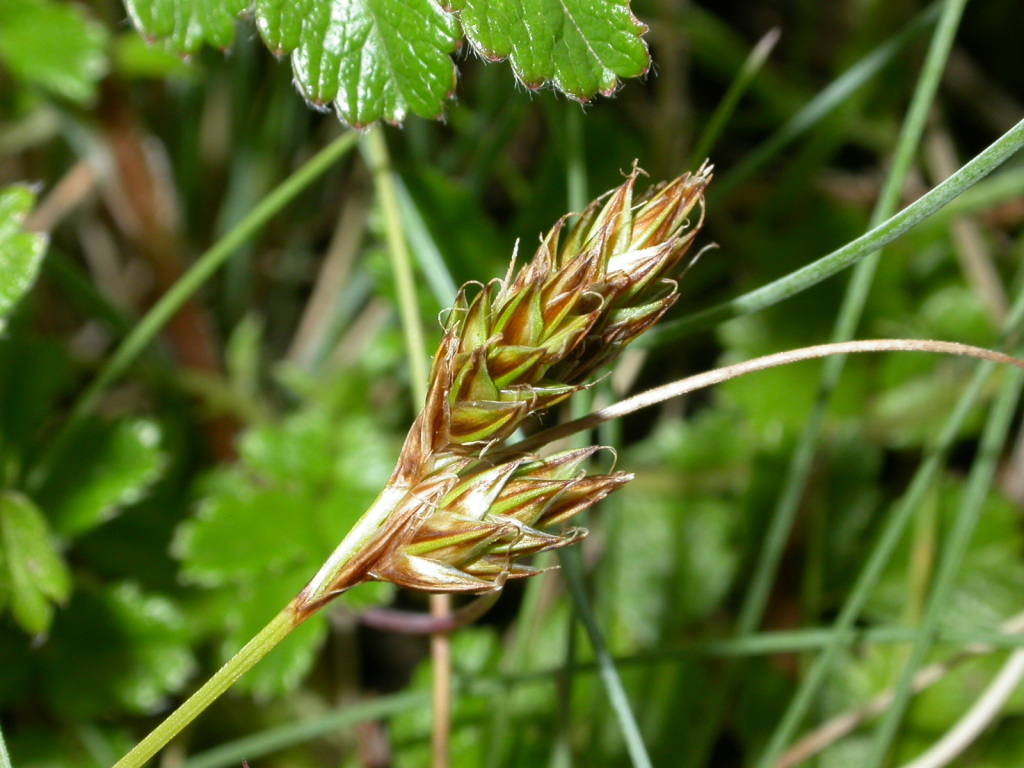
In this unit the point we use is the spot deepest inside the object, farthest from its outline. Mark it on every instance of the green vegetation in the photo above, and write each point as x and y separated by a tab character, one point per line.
217	307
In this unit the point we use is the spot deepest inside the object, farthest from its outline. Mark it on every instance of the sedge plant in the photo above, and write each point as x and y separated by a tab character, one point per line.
466	503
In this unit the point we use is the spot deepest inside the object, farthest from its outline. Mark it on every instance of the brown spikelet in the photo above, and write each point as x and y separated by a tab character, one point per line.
513	348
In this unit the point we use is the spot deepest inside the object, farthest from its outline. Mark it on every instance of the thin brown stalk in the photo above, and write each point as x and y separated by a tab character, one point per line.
441	689
718	375
74	187
334	273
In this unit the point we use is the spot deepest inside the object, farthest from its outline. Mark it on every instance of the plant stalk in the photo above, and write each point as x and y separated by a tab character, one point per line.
224	678
327	584
718	375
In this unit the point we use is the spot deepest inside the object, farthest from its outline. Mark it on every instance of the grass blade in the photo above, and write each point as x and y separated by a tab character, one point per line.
889	537
727	106
979	484
800	280
605	663
838	91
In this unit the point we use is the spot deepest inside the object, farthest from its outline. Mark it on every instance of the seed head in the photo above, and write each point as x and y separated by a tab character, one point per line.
513	348
465	533
520	345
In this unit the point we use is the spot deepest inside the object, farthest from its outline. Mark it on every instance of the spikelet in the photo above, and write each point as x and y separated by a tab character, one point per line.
512	349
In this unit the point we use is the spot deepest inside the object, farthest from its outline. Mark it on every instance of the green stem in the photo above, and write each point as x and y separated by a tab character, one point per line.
225	677
204	268
812	274
727	106
610	679
376	153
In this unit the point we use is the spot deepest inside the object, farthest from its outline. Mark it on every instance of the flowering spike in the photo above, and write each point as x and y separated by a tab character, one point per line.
454	520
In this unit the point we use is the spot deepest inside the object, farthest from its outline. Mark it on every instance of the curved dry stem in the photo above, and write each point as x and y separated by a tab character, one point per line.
718	375
409	622
985	710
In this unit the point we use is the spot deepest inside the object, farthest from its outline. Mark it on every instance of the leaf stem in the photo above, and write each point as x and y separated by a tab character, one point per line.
224	678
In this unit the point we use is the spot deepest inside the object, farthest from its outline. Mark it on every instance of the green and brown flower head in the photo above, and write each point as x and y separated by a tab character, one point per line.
523	344
455	520
469	539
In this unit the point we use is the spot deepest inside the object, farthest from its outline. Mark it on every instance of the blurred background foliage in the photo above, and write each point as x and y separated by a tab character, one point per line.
143	547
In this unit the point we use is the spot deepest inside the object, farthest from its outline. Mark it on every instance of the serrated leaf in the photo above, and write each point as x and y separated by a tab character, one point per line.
52	45
241	530
583	47
106	466
120	648
33	575
20	252
190	24
373	59
382	59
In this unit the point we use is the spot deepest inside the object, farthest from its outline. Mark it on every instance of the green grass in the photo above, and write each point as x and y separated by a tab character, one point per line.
795	542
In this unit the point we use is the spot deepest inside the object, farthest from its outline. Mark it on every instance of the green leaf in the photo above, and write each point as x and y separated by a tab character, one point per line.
190	24
106	466
583	47
54	46
241	531
33	575
120	648
20	252
373	59
382	59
